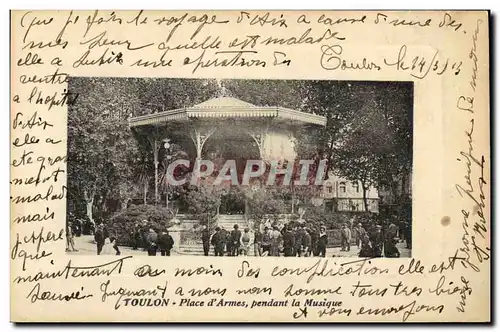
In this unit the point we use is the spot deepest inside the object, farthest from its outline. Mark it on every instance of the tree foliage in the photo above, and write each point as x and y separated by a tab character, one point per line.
202	202
283	93
106	160
368	136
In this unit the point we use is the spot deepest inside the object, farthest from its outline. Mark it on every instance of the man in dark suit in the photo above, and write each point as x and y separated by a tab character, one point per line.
219	241
288	241
322	242
205	238
152	240
99	238
235	241
165	243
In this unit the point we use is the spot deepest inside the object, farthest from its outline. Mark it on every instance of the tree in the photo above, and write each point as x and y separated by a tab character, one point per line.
106	160
143	170
368	135
397	111
163	94
339	102
100	146
283	93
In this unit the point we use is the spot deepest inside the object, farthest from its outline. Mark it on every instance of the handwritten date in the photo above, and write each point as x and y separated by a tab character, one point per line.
420	66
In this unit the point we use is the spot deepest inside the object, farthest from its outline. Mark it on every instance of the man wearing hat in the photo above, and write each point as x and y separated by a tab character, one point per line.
99	238
136	236
205	238
152	239
390	249
235	241
288	241
219	241
266	241
359	234
306	242
322	241
275	235
346	238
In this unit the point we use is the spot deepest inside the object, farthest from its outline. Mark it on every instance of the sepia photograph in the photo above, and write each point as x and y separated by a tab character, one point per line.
280	168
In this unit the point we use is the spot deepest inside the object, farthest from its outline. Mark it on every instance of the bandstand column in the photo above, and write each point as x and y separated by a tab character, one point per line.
199	136
259	134
156	149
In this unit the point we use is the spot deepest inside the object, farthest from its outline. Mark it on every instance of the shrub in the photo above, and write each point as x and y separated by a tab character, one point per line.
201	202
122	224
316	216
262	204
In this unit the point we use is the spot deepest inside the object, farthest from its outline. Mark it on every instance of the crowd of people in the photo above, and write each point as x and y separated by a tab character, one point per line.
289	240
303	240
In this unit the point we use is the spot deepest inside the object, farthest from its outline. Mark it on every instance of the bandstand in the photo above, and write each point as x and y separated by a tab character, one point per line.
225	128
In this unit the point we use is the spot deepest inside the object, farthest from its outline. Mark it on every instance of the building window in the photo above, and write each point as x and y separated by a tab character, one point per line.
342	187
329	188
355	185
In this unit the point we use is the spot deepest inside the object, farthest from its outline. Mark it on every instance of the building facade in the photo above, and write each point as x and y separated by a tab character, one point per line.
342	195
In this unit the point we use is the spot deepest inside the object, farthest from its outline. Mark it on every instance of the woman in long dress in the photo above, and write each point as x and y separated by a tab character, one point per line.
366	245
245	242
107	249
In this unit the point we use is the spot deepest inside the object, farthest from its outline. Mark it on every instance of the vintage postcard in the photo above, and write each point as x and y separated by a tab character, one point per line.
250	166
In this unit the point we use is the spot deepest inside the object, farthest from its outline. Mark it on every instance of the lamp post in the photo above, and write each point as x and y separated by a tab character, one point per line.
168	156
154	144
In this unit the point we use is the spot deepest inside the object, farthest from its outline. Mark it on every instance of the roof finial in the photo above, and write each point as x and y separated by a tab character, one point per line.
222	89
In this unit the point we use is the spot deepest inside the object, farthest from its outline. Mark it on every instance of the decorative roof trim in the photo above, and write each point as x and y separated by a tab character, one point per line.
227	112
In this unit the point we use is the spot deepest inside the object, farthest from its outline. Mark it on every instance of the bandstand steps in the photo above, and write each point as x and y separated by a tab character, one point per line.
228	222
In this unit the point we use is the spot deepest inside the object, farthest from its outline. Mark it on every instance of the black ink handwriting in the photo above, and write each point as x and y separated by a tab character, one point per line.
36	294
101	39
148	271
71	271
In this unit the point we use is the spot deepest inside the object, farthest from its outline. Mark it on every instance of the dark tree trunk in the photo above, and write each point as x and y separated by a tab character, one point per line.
365	199
89	202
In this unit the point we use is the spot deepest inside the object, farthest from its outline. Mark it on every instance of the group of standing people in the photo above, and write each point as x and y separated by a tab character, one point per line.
106	244
232	243
152	240
272	241
301	241
293	240
376	242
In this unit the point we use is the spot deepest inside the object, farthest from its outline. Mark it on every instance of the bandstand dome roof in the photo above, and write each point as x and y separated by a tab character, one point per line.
226	107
